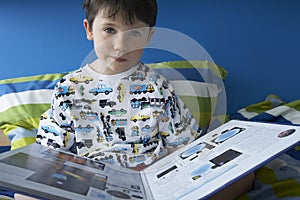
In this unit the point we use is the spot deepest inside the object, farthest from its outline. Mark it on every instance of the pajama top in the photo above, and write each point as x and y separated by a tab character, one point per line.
129	119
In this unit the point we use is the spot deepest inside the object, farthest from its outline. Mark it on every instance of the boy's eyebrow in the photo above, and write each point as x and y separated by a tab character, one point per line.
134	26
108	24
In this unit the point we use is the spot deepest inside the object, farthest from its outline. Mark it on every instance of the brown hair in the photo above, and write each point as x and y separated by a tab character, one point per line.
130	10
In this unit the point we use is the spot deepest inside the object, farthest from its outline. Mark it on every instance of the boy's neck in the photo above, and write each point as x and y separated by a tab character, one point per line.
99	67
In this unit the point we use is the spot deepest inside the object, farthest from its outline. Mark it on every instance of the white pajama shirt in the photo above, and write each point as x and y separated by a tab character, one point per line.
128	119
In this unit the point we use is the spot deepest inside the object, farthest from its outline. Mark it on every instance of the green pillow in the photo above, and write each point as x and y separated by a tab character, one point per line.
22	100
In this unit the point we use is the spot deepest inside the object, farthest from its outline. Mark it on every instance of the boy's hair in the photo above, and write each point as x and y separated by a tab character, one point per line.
129	10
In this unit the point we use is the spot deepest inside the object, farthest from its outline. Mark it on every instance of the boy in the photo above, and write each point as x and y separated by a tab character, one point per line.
117	109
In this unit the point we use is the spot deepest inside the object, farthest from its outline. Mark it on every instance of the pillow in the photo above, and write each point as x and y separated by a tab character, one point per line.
24	99
197	83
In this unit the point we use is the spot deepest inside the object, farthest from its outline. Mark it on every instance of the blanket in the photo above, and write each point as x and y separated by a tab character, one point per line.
280	178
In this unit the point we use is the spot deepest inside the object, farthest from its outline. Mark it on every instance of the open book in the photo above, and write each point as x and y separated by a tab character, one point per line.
195	171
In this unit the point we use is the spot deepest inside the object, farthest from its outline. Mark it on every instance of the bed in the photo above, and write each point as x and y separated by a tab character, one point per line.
24	99
279	179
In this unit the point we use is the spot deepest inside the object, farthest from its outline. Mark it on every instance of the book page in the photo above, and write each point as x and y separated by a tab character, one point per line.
217	159
43	172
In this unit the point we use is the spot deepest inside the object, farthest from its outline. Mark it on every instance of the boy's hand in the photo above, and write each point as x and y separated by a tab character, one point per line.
23	197
236	189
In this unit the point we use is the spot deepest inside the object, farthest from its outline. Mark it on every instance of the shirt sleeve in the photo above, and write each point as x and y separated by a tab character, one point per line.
56	128
177	125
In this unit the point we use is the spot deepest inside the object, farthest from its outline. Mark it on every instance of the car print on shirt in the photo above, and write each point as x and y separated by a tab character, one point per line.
156	114
87	101
117	113
67	138
141	88
100	137
91	116
118	149
149	129
67	126
121	94
121	133
101	88
139	117
107	131
88	143
43	116
52	143
137	103
138	159
118	122
50	129
138	76
64	105
86	129
154	77
81	90
81	79
64	90
108	159
135	131
106	102
179	141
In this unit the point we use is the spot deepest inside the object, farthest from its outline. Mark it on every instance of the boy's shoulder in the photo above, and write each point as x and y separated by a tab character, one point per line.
149	70
154	72
76	76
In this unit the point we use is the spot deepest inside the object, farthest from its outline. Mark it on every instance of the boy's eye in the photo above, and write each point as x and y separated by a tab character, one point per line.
135	33
110	30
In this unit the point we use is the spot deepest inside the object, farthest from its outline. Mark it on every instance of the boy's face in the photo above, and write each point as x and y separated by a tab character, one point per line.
118	46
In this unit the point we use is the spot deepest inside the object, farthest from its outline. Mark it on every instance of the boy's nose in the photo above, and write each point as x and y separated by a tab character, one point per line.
121	41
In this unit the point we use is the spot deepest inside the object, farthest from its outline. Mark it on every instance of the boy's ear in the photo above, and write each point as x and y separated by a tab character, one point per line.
88	29
151	32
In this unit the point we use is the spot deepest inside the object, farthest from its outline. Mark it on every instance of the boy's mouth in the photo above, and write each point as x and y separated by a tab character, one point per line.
119	59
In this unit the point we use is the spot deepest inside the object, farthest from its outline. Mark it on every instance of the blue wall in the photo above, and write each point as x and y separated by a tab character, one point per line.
256	41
